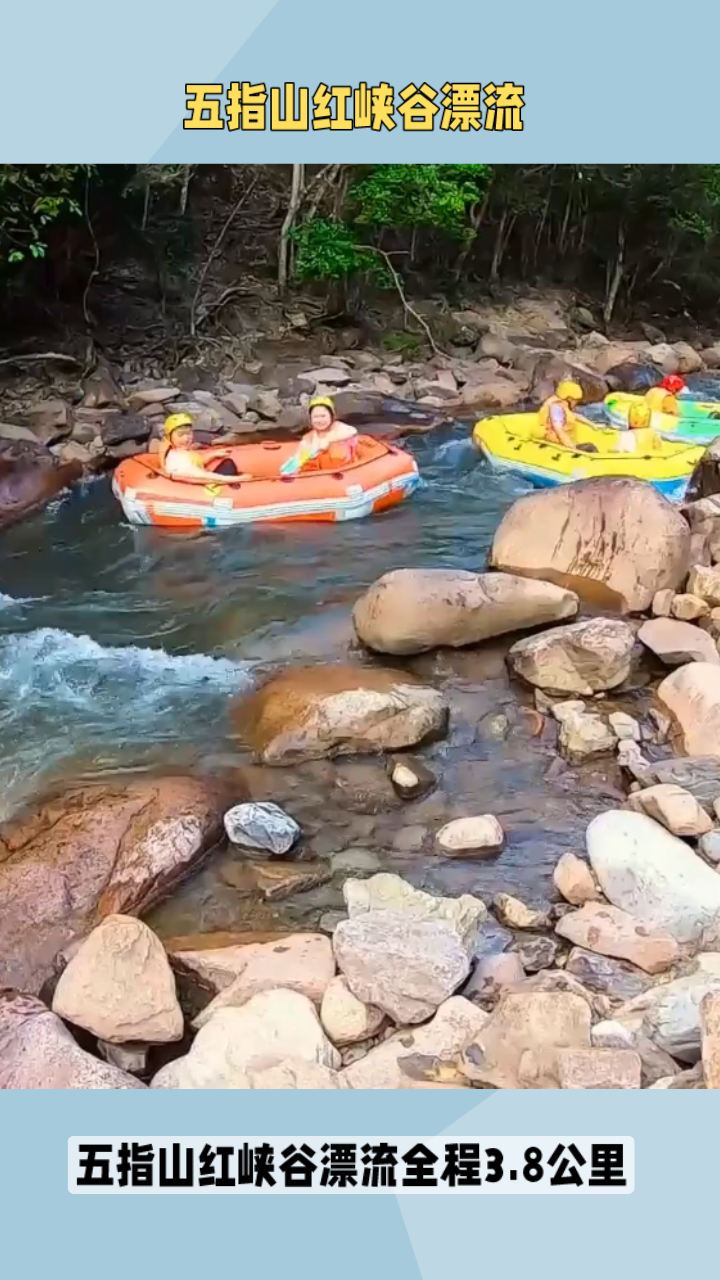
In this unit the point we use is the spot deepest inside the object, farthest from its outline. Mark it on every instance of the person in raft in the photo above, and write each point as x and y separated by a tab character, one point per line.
662	399
329	443
556	416
180	461
640	437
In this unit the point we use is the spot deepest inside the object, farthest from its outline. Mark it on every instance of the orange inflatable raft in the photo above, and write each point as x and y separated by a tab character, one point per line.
381	477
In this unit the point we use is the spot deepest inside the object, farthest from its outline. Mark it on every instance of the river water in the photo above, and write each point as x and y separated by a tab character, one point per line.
120	648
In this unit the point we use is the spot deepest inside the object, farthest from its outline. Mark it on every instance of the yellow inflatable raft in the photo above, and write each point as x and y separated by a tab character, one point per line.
516	443
698	422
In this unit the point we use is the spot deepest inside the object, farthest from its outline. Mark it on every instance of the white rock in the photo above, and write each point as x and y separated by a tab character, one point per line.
388	892
345	1018
271	1027
465	836
611	1034
294	1073
625	727
692	695
586	657
677	642
404	966
654	876
261	825
119	985
302	962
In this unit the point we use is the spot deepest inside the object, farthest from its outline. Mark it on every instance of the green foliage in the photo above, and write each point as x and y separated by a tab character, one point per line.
407	343
328	250
32	197
413	196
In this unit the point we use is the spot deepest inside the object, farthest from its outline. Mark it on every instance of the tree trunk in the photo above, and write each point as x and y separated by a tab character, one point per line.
296	193
615	280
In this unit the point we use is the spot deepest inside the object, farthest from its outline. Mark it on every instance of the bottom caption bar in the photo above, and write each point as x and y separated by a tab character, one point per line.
431	1166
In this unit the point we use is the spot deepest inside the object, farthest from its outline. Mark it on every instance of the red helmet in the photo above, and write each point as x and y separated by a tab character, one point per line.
672	384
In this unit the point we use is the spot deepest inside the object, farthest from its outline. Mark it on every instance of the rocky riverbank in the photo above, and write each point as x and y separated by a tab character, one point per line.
608	613
488	358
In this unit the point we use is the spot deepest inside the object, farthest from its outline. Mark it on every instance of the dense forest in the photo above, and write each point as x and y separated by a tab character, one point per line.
159	250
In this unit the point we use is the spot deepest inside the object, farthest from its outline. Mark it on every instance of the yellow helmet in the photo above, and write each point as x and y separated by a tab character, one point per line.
322	402
569	391
639	415
175	421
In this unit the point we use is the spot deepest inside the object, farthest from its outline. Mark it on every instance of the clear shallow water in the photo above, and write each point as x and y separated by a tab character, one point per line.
121	647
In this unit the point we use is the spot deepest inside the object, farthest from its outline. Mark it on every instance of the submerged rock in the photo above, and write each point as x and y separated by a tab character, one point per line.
311	712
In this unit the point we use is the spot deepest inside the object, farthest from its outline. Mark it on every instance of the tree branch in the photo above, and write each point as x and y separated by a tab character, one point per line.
215	249
401	293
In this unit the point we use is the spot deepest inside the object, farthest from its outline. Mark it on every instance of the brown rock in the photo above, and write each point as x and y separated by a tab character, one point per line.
497	396
38	1052
50	420
543	1022
675	808
614	541
28	483
662	602
573	879
515	915
75	856
599	1069
705	583
101	391
414	610
611	932
274	880
310	712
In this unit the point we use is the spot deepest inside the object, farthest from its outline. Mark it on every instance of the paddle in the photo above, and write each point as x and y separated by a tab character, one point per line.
298	460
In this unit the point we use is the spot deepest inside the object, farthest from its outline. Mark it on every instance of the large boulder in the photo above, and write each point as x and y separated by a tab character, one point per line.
692	695
413	610
273	1026
76	856
584	658
310	712
550	369
614	541
654	876
38	1052
119	986
518	1045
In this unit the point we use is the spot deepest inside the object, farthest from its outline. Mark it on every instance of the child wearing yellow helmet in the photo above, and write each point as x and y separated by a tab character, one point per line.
329	443
556	416
181	462
640	437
